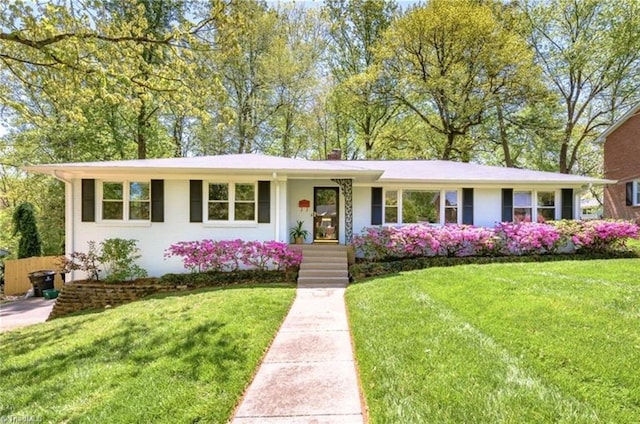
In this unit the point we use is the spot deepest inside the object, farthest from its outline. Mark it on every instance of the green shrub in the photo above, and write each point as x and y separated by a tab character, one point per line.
118	258
220	278
24	222
115	257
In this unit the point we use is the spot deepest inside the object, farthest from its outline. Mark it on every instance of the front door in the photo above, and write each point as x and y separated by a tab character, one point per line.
325	214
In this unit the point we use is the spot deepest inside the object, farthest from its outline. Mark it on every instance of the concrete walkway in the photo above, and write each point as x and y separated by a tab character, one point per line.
308	374
24	312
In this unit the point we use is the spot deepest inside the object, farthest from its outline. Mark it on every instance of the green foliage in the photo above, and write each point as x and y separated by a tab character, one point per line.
119	258
24	222
451	60
589	53
222	278
115	257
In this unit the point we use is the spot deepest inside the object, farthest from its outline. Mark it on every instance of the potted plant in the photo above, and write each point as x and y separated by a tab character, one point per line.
298	234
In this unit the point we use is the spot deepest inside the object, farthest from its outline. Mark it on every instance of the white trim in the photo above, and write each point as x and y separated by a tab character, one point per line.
441	210
635	193
126	200
231	222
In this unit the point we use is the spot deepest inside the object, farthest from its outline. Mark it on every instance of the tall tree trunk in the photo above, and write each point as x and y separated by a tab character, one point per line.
141	128
508	161
448	148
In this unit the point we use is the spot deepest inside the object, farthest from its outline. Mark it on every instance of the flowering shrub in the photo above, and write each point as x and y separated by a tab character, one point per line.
231	255
511	239
527	238
597	236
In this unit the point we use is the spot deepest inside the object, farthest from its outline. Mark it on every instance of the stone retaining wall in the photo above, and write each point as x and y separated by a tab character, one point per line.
76	297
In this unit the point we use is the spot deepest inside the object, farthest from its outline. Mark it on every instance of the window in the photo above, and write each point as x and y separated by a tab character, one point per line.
451	207
112	201
420	206
546	206
245	202
218	202
391	206
132	197
636	188
522	210
231	202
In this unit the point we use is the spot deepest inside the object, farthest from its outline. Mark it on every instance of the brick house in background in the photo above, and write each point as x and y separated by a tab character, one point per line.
622	163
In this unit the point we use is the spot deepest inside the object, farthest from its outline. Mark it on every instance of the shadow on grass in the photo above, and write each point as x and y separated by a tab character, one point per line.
137	341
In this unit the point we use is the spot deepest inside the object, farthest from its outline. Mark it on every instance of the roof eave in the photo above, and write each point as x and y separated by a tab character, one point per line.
506	183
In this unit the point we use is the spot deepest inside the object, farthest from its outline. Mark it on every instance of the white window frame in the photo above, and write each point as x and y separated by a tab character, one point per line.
635	200
534	202
442	206
126	199
555	204
231	203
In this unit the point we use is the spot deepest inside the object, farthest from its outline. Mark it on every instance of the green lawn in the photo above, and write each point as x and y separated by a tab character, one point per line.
508	343
175	359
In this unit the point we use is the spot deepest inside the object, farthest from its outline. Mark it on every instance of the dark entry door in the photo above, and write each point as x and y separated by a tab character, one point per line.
325	214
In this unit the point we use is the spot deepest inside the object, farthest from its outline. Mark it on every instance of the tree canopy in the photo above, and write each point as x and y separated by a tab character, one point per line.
527	84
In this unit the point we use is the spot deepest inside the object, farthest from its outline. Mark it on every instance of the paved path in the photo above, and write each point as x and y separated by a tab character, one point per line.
308	374
23	312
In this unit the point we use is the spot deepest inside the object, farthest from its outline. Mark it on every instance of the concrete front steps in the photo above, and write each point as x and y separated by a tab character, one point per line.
323	265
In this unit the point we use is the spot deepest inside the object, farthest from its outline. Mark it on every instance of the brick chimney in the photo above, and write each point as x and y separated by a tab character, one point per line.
335	154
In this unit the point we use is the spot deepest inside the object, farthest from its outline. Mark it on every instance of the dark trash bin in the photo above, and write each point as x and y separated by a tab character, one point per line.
41	281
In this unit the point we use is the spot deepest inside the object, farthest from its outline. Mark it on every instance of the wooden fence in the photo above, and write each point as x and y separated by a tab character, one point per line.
16	273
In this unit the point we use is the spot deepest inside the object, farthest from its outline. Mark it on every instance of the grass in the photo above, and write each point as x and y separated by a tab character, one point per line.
535	343
174	358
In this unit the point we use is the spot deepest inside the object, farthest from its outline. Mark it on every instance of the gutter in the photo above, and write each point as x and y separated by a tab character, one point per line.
69	245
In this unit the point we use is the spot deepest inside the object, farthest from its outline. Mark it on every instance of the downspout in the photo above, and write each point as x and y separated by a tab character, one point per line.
277	217
69	246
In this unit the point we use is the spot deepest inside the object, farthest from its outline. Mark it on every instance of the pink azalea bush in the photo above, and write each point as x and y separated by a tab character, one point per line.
598	235
522	238
231	255
527	238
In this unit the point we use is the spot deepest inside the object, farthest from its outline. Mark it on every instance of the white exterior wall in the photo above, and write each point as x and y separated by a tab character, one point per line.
487	206
303	190
155	237
361	208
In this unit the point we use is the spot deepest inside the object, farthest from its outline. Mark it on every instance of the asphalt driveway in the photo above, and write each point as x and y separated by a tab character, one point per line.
23	312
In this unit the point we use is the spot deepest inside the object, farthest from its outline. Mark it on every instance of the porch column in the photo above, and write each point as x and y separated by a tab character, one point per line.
346	184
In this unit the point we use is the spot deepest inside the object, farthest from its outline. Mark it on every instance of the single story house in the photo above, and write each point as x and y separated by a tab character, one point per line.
257	197
621	151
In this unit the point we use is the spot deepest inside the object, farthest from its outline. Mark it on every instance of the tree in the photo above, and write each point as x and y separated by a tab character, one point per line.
355	29
24	222
452	61
589	51
115	65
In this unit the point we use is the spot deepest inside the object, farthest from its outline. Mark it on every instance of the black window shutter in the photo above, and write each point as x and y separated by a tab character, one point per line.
567	203
88	200
264	202
467	206
629	189
507	204
195	201
376	205
157	200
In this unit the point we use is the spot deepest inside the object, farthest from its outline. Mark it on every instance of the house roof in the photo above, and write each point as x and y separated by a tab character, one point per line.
457	172
632	112
391	171
248	163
